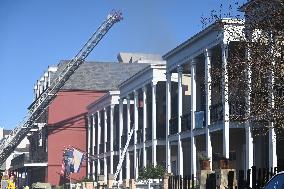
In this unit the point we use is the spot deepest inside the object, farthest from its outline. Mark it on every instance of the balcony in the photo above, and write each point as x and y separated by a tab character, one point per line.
173	125
186	122
148	133
216	112
20	160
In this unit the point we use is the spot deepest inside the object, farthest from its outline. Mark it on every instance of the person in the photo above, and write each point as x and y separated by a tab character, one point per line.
11	183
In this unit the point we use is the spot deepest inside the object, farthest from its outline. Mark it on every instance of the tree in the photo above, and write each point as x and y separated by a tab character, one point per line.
256	65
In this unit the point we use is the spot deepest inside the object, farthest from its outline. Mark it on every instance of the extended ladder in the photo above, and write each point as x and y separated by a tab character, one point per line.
119	165
8	144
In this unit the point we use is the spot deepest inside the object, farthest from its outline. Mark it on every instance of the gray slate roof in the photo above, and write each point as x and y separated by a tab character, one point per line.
100	76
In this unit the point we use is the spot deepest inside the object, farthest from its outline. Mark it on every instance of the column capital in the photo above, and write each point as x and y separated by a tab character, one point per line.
135	92
224	45
154	83
144	88
168	74
179	69
127	97
111	106
207	53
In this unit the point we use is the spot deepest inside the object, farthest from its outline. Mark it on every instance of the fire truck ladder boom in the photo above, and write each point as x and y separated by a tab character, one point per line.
123	153
9	143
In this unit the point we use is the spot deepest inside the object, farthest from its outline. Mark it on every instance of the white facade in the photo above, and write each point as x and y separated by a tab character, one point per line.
179	112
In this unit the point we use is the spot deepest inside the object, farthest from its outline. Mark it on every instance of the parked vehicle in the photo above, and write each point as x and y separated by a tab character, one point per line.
276	182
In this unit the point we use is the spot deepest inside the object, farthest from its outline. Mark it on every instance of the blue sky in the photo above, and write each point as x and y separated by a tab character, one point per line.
38	33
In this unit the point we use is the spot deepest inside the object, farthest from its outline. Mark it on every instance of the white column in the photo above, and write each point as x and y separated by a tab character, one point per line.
111	138
135	162
272	134
105	143
225	101
272	147
154	124
208	55
180	152
127	160
120	132
144	124
98	142
93	142
168	117
248	130
193	109
89	146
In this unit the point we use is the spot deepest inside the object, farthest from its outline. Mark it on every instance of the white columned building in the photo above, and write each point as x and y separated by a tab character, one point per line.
204	111
143	86
106	107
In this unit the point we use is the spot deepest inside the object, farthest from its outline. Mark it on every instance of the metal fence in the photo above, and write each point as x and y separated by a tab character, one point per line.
251	179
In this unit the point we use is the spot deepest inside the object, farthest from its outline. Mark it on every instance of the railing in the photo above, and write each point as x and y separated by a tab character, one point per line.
237	111
95	150
101	148
199	119
148	133
20	160
139	136
256	178
178	182
116	146
123	139
216	112
107	146
185	122
173	125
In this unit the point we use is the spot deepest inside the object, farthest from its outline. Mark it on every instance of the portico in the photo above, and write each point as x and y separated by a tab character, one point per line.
198	106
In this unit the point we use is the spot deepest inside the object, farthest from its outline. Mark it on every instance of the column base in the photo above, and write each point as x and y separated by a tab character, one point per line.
222	178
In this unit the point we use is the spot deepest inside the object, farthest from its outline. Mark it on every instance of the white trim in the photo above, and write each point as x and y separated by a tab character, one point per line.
35	164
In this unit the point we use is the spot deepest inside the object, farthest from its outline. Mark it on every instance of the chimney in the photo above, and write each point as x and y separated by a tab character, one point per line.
35	91
38	88
41	85
45	80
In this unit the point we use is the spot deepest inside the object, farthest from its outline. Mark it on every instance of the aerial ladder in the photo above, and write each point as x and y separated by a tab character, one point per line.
9	143
123	153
